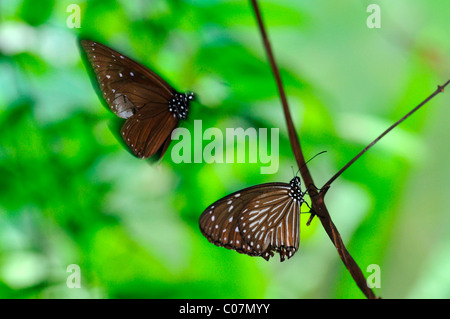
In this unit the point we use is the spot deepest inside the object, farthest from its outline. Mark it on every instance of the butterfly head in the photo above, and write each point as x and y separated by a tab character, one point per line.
296	191
179	104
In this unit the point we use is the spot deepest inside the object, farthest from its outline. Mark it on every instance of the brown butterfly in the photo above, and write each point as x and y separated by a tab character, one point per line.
151	107
258	220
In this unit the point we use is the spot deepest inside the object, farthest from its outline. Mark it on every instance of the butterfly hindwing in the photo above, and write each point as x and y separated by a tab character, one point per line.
149	131
271	222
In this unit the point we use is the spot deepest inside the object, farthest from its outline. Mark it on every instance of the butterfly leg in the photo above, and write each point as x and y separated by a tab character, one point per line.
310	217
311	211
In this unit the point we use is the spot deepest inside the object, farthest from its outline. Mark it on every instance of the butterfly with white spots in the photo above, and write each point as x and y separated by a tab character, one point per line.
151	107
258	220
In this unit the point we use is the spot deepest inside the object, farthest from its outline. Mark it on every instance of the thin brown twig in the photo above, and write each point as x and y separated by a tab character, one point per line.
439	89
317	202
295	143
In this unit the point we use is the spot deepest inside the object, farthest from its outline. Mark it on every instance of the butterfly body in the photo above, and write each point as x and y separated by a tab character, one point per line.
151	107
258	220
179	105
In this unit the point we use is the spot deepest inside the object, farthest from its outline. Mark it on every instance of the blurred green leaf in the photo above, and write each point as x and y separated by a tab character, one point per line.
36	13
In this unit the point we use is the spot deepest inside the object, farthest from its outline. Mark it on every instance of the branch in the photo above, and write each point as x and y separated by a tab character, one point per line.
439	89
295	143
317	202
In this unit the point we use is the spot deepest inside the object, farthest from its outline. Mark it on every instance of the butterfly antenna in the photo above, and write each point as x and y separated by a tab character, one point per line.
310	160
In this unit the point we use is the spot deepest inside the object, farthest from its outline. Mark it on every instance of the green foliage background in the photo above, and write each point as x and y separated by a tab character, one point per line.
70	194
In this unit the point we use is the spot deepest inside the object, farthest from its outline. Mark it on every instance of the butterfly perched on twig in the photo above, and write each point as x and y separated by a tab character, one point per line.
151	107
258	220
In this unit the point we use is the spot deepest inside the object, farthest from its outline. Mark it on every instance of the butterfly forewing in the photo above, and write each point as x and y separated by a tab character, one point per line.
255	221
119	76
219	224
